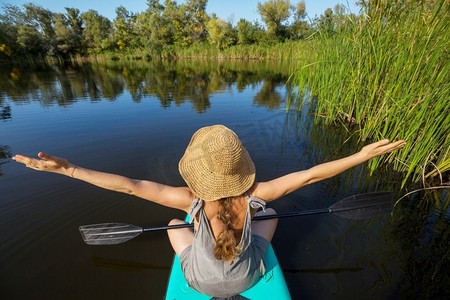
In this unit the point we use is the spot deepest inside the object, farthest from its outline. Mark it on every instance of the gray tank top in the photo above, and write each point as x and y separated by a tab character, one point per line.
219	278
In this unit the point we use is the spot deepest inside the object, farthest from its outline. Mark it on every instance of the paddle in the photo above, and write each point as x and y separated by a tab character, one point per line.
361	206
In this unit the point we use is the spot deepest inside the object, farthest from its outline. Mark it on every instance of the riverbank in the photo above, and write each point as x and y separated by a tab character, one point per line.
286	51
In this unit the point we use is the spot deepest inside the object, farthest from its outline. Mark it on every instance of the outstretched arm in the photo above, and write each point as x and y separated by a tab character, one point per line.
175	197
281	186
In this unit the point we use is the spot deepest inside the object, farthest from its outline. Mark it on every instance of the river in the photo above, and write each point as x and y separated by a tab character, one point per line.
136	119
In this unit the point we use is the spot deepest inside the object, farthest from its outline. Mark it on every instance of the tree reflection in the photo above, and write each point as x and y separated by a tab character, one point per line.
5	151
268	96
5	112
170	82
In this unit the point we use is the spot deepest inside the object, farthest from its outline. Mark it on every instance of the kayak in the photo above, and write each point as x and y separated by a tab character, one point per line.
271	286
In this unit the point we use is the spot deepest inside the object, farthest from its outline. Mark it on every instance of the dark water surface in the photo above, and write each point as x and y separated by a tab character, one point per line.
136	120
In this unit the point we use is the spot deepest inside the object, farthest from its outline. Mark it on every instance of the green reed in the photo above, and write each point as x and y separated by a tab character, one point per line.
287	50
386	72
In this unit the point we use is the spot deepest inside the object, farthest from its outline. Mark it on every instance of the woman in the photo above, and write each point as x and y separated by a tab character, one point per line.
224	256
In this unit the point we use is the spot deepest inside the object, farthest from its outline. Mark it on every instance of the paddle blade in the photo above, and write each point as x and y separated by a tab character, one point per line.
109	233
364	206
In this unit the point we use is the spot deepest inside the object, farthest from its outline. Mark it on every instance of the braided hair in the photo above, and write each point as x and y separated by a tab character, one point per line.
228	239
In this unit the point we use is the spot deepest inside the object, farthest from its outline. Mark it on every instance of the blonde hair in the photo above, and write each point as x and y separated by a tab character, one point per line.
228	239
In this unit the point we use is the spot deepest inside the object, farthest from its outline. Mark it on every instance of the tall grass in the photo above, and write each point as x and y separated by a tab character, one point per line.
387	72
281	51
265	51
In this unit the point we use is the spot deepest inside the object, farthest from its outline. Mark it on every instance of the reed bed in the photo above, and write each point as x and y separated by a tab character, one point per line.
386	72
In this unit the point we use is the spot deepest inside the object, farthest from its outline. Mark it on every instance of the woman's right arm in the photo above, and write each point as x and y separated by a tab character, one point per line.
175	197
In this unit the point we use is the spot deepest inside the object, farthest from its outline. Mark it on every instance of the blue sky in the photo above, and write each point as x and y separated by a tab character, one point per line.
225	9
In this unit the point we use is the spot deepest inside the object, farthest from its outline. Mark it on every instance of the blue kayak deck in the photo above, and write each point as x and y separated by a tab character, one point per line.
271	286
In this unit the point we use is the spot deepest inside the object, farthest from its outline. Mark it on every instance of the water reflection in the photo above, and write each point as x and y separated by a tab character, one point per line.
124	265
5	113
422	232
268	96
5	154
5	151
172	83
410	247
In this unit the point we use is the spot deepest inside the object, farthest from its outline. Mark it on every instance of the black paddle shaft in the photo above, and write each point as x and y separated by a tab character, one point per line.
362	207
358	207
255	218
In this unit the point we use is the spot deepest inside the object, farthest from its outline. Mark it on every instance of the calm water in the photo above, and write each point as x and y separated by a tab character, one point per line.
136	120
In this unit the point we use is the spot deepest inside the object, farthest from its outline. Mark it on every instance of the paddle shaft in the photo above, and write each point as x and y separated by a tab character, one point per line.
358	207
276	216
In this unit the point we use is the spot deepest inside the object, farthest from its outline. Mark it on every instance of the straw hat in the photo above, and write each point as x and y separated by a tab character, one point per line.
216	165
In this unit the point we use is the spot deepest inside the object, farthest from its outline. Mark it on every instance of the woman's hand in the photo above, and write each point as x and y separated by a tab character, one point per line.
380	148
46	163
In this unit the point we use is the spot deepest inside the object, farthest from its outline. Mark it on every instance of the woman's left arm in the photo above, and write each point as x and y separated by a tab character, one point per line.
175	197
276	188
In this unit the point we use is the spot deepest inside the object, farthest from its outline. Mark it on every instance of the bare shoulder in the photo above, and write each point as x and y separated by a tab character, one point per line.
174	197
182	198
261	190
281	186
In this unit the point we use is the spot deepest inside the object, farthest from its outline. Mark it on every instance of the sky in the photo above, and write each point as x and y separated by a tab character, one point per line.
229	10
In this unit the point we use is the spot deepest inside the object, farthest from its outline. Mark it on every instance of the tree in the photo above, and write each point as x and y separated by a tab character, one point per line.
30	40
220	33
67	39
124	25
74	20
326	21
299	28
300	11
247	32
153	6
176	21
97	32
153	30
41	19
33	25
196	19
274	13
9	22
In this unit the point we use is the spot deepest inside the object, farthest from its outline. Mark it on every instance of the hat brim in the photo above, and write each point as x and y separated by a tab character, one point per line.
208	184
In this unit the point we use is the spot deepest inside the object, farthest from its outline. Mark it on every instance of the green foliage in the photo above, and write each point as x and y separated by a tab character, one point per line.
274	13
386	73
196	19
40	18
30	40
299	10
220	33
248	33
299	30
28	30
97	32
68	32
176	22
158	32
124	28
